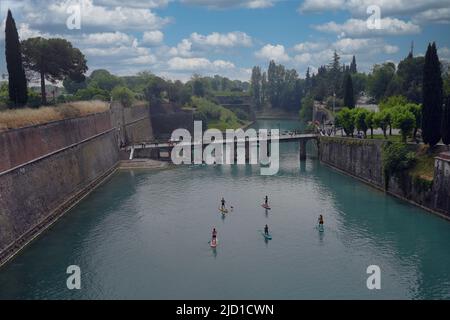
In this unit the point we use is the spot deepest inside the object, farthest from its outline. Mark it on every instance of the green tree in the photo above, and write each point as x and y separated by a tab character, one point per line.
124	95
380	78
382	120
53	60
306	110
18	92
370	122
353	68
416	110
104	80
393	101
256	86
346	118
404	120
349	97
361	115
432	97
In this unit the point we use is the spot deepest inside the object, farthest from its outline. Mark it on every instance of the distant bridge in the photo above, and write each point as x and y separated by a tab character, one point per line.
157	149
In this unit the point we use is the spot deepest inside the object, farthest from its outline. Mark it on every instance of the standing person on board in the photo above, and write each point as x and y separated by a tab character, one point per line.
320	221
266	230
222	206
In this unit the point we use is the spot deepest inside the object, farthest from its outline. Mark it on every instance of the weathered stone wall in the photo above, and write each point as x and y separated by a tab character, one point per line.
35	194
363	160
134	124
442	183
22	145
164	124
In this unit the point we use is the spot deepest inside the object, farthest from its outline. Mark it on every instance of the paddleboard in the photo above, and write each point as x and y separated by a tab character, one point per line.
213	243
223	210
266	236
320	227
266	207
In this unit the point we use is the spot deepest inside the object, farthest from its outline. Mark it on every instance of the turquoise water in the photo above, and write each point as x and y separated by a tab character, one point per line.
144	234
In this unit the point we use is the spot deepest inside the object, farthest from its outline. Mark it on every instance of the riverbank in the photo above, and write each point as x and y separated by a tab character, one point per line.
362	159
46	169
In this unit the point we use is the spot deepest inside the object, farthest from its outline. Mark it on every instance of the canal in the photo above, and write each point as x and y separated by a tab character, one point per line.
144	234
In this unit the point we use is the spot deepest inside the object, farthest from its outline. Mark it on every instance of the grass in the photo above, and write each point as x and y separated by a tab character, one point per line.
424	166
393	138
19	118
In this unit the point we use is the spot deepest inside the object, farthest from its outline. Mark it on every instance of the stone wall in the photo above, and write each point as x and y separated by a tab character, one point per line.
22	145
164	124
363	160
33	195
134	124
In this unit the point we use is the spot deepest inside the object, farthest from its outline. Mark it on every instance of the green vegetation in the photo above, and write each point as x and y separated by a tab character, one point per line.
215	116
432	97
17	82
396	157
52	60
123	95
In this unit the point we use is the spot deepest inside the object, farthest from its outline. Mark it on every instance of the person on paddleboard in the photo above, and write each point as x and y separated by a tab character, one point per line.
266	201
266	230
222	207
214	234
320	220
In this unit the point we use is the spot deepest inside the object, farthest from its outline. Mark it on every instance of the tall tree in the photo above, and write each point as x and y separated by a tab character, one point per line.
256	85
264	88
446	122
17	84
432	97
349	97
353	68
53	60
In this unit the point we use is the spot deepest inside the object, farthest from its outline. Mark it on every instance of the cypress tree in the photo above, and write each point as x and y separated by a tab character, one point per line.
446	122
16	74
432	97
349	98
353	69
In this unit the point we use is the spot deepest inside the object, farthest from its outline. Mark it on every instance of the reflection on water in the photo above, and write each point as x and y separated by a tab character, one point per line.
145	235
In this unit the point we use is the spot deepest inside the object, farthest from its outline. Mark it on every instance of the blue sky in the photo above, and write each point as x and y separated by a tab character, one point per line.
176	38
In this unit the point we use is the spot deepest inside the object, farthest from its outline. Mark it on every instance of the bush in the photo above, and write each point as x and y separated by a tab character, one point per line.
241	114
124	95
396	158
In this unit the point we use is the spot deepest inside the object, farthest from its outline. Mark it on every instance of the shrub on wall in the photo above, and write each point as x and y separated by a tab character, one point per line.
123	95
396	158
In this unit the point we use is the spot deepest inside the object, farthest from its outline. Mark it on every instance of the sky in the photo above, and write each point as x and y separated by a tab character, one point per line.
177	38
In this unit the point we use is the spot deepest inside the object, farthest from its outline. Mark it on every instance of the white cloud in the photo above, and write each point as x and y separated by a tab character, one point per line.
309	46
195	64
152	38
94	16
359	7
183	49
225	4
144	4
215	39
107	39
441	16
272	52
359	28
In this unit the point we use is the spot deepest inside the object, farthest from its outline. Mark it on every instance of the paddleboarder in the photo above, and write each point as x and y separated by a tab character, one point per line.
222	206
